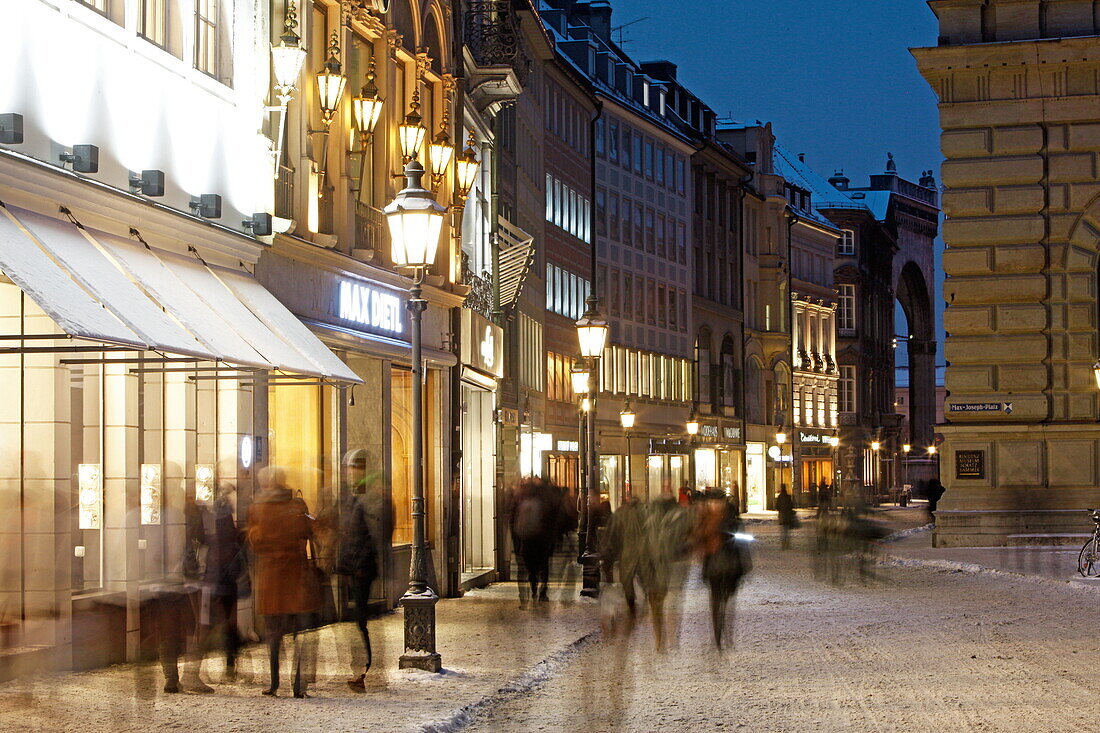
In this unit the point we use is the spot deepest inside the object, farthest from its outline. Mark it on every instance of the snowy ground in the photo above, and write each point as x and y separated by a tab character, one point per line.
918	650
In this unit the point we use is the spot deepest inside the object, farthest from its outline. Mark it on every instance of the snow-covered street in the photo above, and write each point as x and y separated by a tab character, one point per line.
917	650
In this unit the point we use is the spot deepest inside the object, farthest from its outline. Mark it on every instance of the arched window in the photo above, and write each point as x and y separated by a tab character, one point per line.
703	380
731	376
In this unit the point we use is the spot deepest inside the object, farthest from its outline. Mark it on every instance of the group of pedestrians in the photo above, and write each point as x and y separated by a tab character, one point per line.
647	547
284	556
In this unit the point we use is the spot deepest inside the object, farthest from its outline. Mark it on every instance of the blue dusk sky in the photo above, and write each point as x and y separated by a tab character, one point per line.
834	77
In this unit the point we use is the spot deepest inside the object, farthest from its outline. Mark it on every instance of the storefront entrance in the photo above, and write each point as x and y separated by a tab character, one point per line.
756	478
478	472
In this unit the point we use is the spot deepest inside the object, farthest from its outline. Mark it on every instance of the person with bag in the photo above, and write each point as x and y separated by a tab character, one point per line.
357	557
225	576
287	592
725	557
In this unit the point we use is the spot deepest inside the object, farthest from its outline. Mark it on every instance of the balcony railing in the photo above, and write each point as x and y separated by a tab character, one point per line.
493	35
284	193
480	297
370	229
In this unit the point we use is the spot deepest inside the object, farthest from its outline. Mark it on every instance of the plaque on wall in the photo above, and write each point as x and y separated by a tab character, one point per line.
970	464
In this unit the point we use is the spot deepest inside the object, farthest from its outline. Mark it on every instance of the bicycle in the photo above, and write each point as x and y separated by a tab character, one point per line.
1088	562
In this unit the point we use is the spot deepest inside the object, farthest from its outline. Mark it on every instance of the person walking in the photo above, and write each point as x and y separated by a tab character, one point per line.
536	523
788	520
225	576
725	558
287	592
357	558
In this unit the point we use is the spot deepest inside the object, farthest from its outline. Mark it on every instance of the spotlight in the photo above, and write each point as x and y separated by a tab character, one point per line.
150	182
208	206
84	158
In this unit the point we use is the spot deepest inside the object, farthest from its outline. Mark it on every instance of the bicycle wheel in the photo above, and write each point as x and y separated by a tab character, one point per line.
1088	562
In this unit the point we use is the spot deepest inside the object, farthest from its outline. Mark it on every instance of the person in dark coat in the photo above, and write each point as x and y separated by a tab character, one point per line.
934	491
536	520
725	557
357	557
784	505
225	574
287	592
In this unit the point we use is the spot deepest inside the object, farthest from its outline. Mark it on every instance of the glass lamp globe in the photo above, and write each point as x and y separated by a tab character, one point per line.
415	220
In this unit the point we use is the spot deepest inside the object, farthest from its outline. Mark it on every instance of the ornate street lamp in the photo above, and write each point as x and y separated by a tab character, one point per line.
905	448
579	376
692	428
440	153
331	82
366	108
626	419
592	336
287	60
411	131
415	220
466	167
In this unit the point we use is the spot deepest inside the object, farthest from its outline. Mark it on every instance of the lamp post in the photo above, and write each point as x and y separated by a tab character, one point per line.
626	419
933	453
579	377
592	336
834	442
905	448
692	428
780	440
415	220
287	60
876	468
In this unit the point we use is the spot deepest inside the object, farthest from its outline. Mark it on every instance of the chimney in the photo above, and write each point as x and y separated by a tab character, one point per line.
801	157
599	18
840	181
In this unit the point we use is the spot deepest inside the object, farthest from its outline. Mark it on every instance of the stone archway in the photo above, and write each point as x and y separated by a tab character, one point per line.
913	295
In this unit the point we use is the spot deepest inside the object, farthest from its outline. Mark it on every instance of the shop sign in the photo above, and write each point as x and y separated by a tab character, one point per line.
569	446
811	438
482	343
970	464
375	308
708	431
666	446
731	433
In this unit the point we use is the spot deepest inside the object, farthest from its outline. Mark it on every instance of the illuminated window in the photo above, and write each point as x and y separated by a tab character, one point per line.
206	36
846	389
153	21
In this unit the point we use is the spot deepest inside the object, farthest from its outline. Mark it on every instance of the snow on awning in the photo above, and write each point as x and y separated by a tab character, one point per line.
51	288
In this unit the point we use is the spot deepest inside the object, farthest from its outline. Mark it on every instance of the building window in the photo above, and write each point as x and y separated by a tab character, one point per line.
102	6
846	389
628	138
599	136
846	310
847	244
702	370
206	36
153	21
613	140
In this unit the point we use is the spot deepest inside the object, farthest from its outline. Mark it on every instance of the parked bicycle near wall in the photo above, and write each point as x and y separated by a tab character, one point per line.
1088	562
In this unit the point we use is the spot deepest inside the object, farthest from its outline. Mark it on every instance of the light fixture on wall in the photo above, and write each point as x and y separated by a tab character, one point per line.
11	128
259	224
207	205
90	496
692	425
412	131
149	182
287	60
441	151
331	82
83	158
579	377
466	167
366	107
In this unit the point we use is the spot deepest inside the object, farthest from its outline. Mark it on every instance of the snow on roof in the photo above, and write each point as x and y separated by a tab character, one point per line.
877	201
822	193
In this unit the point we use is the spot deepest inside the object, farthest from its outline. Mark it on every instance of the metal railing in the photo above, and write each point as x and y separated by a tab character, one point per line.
493	35
370	228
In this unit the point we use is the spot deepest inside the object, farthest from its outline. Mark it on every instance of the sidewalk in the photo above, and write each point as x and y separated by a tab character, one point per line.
491	650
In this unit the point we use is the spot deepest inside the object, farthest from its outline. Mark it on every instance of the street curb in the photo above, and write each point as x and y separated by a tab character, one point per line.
531	679
953	566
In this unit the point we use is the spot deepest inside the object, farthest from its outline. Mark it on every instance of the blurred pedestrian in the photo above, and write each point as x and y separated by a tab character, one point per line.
287	592
536	521
357	558
934	491
788	520
725	555
624	548
225	575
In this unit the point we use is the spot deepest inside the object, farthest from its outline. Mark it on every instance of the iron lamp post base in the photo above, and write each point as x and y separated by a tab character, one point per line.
420	653
590	574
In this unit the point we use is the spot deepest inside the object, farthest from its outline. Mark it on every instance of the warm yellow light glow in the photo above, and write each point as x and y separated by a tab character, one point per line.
692	426
906	448
875	445
366	110
586	404
592	331
1096	373
627	418
331	81
654	461
579	377
90	492
834	441
781	438
466	167
440	153
931	450
415	220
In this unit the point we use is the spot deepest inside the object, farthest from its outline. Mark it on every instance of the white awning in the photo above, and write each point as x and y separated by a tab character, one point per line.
103	279
285	324
54	291
162	283
101	287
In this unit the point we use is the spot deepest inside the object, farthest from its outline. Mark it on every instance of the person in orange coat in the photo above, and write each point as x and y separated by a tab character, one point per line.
286	587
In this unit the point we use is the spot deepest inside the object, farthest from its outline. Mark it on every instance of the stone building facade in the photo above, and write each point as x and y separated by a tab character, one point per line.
1019	91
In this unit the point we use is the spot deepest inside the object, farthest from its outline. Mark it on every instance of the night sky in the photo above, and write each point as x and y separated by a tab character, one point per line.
834	77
